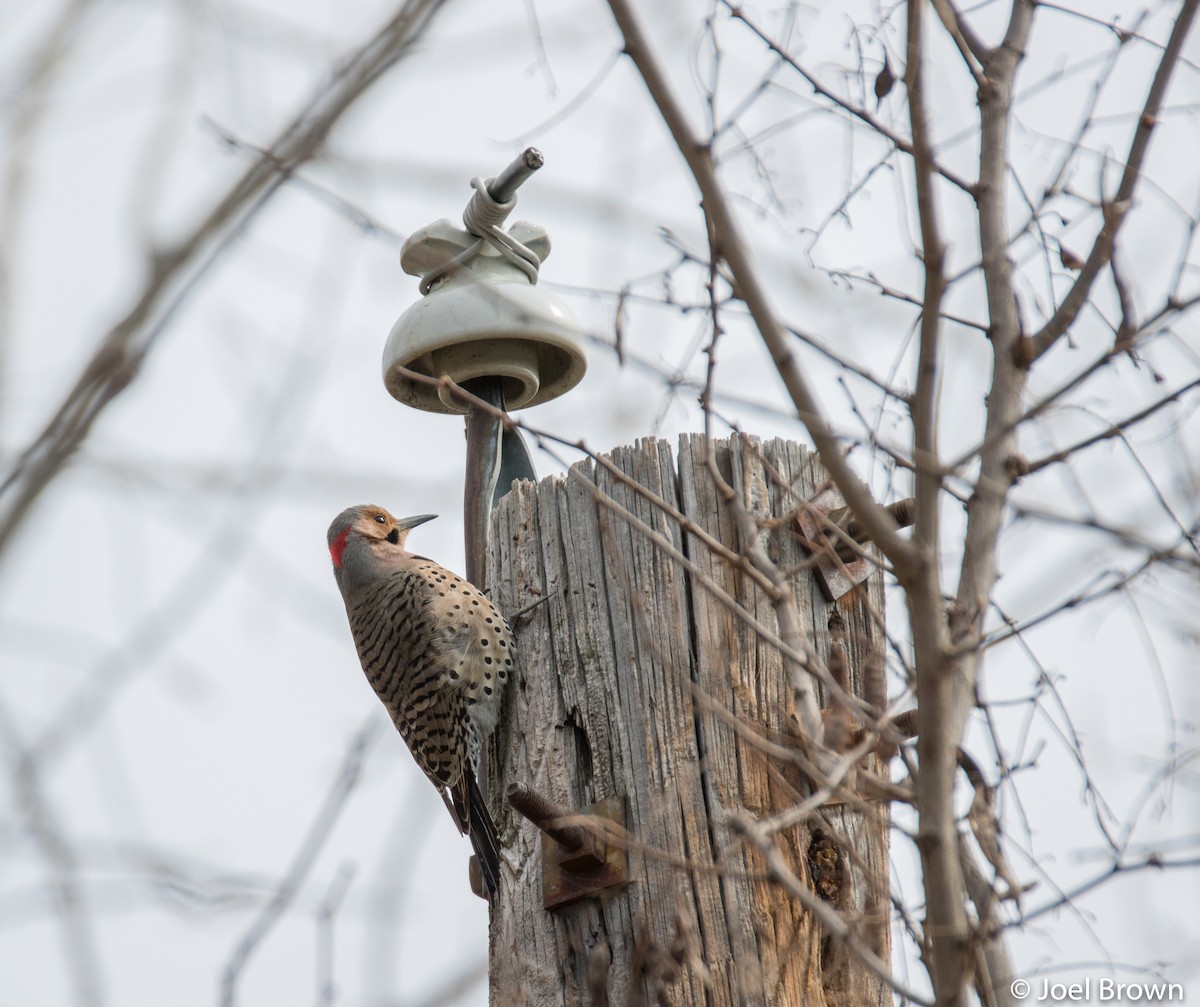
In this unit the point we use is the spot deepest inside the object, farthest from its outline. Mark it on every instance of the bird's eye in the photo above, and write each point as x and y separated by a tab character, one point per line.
381	519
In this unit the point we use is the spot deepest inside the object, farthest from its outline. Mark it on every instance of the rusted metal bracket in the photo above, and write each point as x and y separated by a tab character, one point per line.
834	574
828	528
576	862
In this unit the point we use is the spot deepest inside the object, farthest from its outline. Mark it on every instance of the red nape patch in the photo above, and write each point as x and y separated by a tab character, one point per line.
339	547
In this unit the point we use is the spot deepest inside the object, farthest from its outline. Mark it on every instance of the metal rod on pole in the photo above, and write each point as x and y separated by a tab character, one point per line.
495	457
504	186
485	432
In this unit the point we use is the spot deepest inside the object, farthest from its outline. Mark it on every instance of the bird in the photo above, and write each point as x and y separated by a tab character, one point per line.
437	653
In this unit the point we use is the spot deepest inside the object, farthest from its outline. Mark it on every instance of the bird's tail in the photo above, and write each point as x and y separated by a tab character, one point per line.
482	831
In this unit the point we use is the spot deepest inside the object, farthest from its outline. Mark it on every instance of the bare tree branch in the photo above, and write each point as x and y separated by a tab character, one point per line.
945	689
1112	430
900	143
31	105
327	817
830	920
326	914
71	908
698	156
176	271
970	45
1116	209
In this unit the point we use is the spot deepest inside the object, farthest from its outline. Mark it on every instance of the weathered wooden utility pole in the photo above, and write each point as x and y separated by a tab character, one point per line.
641	685
664	620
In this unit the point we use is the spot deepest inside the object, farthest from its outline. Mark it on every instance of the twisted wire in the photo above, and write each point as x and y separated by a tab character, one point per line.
482	218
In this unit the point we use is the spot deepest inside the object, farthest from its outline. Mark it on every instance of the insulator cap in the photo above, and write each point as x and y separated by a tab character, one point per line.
484	317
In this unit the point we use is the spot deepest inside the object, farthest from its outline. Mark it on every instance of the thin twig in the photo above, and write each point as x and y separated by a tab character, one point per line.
71	908
1116	209
829	917
736	11
326	913
327	817
750	288
175	272
970	45
1115	429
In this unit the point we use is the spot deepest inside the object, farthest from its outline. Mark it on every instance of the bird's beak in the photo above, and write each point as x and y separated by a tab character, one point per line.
409	523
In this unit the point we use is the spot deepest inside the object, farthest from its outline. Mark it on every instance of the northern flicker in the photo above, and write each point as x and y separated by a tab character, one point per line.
436	652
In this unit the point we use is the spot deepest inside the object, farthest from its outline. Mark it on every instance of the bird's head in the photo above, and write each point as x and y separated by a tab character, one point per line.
372	529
